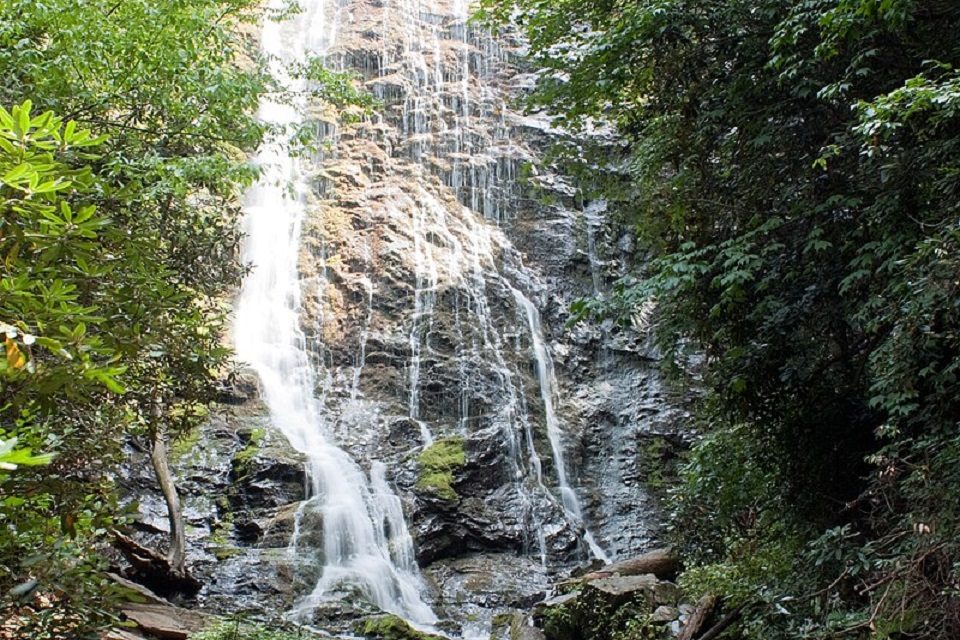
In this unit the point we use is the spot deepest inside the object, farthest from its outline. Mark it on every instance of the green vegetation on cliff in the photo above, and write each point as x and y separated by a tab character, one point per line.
437	465
125	129
793	179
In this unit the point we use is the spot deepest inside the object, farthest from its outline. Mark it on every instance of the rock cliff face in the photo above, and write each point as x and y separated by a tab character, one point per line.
439	256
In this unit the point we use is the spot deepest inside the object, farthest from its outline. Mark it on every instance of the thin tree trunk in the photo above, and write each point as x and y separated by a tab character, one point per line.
178	540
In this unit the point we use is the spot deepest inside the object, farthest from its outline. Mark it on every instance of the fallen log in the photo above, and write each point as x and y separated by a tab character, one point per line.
662	563
725	622
698	618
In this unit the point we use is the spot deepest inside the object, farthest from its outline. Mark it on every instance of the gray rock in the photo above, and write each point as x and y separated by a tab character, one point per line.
514	626
563	600
164	621
664	613
616	590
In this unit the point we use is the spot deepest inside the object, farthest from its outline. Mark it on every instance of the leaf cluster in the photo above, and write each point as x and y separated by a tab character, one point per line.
121	162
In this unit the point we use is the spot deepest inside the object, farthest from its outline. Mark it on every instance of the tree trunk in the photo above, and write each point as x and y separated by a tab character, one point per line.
152	570
178	541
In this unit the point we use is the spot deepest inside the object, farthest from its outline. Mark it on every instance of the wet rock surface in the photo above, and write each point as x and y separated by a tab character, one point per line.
426	226
431	219
237	481
474	589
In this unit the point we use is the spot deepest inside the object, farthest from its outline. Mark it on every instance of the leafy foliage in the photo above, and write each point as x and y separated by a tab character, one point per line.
795	181
118	242
118	249
246	630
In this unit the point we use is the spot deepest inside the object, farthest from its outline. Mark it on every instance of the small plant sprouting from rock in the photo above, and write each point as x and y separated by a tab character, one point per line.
184	445
437	464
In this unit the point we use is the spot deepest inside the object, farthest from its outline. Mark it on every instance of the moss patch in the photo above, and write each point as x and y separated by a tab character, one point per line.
185	444
437	464
253	446
391	627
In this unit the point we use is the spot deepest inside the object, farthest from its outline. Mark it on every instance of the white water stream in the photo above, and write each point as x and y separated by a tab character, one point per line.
366	545
547	380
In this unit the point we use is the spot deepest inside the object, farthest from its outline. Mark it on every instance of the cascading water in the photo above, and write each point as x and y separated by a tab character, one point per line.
366	545
592	220
547	382
385	306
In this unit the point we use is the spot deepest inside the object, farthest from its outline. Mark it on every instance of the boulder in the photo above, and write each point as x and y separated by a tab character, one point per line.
164	621
514	626
391	627
665	613
589	612
617	590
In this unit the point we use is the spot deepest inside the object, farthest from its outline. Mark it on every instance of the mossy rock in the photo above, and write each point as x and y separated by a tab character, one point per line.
612	608
438	462
182	447
391	627
512	626
254	441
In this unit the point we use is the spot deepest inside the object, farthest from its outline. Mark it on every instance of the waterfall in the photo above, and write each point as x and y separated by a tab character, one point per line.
592	219
547	382
366	545
408	320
